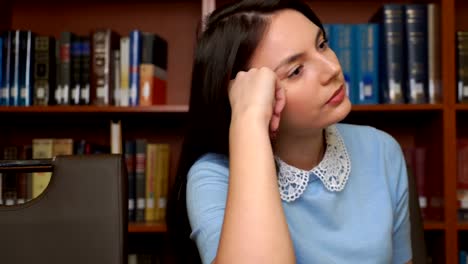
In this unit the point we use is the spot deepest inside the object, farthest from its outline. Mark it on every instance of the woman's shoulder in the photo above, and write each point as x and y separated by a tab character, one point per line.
361	137
210	163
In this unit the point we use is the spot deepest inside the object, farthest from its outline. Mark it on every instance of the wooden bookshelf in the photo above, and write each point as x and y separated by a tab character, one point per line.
397	107
430	226
156	227
91	109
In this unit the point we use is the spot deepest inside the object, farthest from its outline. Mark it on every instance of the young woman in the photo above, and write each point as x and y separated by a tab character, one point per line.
266	174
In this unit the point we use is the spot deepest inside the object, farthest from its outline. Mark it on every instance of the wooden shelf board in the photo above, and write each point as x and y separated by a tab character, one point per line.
461	107
95	109
147	227
432	225
397	107
463	226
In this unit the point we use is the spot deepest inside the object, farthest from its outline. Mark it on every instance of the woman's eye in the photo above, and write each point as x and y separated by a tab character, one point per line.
323	45
297	71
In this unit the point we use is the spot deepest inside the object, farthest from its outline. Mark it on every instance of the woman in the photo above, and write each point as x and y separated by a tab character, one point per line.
266	174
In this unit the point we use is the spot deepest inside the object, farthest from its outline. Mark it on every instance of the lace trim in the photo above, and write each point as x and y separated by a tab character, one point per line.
333	170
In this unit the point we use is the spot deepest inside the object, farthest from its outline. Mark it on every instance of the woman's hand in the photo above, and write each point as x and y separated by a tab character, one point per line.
258	92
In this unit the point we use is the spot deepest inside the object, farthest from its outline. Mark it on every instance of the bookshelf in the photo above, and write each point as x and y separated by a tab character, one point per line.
436	126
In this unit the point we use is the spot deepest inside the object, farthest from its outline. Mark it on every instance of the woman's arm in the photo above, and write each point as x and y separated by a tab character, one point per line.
254	228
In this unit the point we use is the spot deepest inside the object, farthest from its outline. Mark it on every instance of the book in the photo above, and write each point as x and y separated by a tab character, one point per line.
417	53
366	63
392	42
130	163
434	60
140	179
42	148
462	66
135	61
124	71
44	70
104	42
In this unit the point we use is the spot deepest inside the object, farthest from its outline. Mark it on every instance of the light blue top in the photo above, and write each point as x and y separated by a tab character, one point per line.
366	222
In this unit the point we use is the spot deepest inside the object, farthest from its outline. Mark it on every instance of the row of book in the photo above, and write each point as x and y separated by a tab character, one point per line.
147	168
148	179
393	59
429	192
102	68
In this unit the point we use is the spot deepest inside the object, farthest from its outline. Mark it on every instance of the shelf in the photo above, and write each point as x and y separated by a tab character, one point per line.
461	107
463	226
430	225
59	109
151	227
397	107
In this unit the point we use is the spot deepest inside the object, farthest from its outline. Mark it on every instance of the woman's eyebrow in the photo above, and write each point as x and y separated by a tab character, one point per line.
290	60
299	55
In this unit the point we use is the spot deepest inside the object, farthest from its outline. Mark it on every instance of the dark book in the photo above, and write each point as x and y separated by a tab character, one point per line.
462	66
85	70
417	52
58	74
5	68
104	42
44	71
130	162
66	67
140	179
26	68
393	63
9	179
75	62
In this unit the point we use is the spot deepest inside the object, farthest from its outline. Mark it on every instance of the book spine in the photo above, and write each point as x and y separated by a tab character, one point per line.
65	66
150	182
124	71
102	83
58	74
15	71
43	70
116	78
140	175
393	72
163	155
416	47
85	66
75	62
135	61
6	68
41	149
366	47
433	35
26	68
462	63
130	162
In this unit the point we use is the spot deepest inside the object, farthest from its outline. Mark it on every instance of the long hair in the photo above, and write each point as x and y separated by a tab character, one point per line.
231	36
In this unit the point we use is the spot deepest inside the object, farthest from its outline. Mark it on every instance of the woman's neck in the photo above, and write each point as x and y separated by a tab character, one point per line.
300	151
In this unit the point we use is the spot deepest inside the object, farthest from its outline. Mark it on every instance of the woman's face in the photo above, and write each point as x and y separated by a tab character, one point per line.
307	68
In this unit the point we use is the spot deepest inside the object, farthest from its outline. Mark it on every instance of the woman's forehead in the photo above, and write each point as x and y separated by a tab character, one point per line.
289	32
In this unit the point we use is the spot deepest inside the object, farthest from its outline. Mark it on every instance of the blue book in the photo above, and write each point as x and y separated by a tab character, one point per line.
462	257
26	64
135	61
366	63
6	70
341	43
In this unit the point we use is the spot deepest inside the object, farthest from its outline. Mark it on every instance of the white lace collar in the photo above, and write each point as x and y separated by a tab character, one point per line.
333	170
